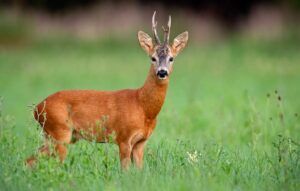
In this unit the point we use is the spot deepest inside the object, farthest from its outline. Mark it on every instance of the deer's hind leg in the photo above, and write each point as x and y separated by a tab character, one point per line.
61	136
59	139
43	150
57	132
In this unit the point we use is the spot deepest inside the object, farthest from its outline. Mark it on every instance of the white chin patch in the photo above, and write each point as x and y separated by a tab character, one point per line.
162	78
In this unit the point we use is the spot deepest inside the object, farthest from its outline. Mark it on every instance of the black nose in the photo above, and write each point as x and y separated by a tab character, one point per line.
162	73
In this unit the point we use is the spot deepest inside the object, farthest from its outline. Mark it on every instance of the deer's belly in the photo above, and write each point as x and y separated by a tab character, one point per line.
91	123
105	125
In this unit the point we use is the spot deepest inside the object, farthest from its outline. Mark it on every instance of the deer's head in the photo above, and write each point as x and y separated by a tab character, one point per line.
162	54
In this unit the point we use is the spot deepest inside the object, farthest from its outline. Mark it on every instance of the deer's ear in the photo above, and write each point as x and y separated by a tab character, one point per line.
145	42
180	42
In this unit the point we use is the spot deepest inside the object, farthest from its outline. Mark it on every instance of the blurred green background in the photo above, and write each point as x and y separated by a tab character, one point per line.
231	117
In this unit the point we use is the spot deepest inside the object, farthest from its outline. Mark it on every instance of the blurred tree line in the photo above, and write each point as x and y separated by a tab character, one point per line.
228	10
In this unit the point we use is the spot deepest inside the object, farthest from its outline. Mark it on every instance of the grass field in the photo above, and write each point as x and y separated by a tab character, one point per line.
231	120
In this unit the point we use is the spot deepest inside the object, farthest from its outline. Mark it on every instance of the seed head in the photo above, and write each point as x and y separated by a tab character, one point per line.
279	98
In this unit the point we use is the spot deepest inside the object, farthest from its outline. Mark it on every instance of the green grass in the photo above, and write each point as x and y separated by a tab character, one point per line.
223	125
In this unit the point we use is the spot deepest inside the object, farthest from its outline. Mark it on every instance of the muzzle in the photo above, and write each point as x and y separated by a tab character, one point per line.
162	74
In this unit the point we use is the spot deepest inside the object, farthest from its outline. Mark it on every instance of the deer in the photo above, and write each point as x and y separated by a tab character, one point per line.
130	114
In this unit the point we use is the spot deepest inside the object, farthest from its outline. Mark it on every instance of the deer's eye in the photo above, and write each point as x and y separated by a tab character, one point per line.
171	59
153	59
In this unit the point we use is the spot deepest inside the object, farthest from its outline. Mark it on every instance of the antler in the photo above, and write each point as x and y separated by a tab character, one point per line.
154	24
167	31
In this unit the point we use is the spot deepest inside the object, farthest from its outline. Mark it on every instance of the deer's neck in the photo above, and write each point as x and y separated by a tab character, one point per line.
152	94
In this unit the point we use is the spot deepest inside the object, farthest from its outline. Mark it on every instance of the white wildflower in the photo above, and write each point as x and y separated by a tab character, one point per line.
192	157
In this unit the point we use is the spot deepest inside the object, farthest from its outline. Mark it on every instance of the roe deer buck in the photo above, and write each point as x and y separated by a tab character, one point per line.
69	115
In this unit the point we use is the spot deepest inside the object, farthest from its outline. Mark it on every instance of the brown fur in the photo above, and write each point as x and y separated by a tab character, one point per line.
129	114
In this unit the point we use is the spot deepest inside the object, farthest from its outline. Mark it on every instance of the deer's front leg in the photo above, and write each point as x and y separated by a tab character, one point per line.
125	152
138	153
